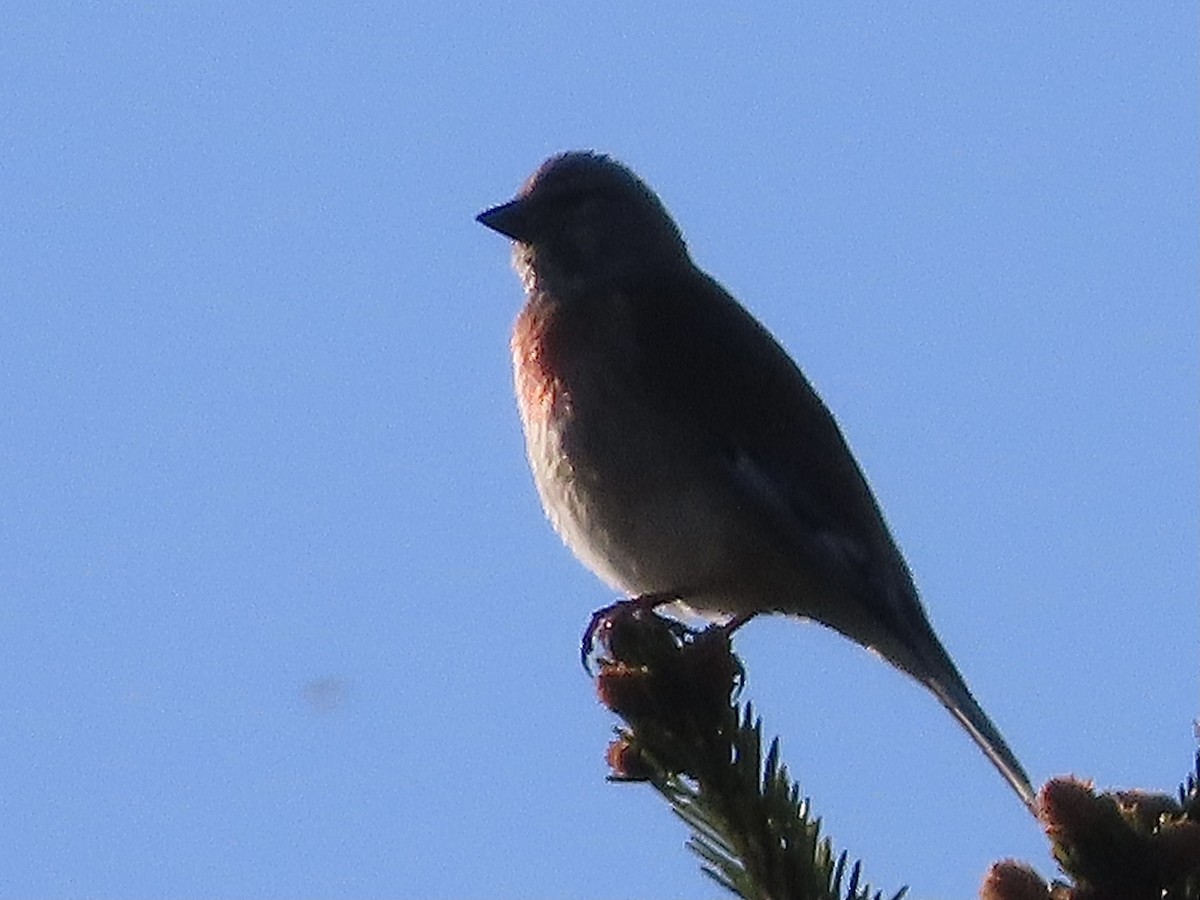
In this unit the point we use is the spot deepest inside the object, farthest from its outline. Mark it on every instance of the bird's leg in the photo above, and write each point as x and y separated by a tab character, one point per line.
722	634
736	622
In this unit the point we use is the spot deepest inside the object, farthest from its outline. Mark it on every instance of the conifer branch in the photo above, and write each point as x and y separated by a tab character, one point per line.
755	835
686	736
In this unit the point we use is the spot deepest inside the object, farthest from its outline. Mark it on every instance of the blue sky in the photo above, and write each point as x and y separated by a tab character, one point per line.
279	613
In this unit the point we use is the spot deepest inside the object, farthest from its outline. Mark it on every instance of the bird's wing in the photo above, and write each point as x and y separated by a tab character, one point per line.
736	391
725	378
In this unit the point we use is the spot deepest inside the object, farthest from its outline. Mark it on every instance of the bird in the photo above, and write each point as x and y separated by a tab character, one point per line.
677	448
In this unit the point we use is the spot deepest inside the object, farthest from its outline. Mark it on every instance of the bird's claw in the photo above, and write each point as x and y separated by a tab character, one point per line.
597	635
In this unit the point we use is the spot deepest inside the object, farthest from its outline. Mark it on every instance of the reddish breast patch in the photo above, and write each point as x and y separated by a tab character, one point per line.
535	362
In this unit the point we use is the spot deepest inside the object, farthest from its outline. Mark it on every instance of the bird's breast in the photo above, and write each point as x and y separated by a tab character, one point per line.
623	488
539	381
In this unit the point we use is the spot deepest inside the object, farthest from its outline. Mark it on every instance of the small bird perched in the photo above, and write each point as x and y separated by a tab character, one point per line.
679	451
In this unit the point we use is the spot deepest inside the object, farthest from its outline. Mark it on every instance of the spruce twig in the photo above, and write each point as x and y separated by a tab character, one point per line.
686	735
1121	845
755	835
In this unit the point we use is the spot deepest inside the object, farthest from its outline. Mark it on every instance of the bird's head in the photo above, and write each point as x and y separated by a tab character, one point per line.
584	219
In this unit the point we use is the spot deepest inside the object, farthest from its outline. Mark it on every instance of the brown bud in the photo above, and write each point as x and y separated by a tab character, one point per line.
1178	849
624	689
1067	808
1146	809
627	762
1013	880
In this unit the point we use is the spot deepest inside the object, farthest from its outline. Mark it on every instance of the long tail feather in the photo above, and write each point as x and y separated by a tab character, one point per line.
962	705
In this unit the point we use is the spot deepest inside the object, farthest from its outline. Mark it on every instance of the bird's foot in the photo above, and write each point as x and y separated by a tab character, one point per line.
609	620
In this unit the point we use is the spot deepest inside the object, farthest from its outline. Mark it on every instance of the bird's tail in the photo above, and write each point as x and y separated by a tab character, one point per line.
918	651
952	691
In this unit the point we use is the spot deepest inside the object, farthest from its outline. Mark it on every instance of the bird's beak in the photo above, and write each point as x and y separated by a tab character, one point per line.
510	219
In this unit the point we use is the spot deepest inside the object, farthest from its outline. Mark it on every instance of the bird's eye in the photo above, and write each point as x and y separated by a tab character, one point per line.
574	199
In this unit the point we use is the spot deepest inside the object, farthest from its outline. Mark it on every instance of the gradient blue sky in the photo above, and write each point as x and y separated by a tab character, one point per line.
279	614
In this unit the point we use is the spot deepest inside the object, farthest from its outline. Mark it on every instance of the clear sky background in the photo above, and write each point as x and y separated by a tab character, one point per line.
279	613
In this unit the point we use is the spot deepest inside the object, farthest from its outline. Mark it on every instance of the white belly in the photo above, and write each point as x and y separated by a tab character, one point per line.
643	522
